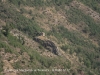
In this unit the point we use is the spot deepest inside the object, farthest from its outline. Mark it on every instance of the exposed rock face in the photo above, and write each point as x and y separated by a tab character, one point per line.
31	43
48	45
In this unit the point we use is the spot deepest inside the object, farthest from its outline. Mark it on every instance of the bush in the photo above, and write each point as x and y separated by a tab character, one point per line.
17	2
14	41
1	65
77	16
87	63
64	47
6	47
94	4
5	30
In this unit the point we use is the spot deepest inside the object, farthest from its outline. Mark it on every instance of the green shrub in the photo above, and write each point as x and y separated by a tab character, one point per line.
94	4
17	2
64	47
14	41
1	65
6	47
87	63
77	16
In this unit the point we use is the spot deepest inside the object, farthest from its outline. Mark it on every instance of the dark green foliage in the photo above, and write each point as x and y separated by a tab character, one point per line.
6	47
68	65
0	34
37	73
77	16
90	73
39	3
87	63
14	41
1	65
73	37
17	65
74	15
22	10
30	12
41	47
5	30
86	30
94	4
64	47
30	27
82	48
46	61
61	2
19	21
17	2
74	73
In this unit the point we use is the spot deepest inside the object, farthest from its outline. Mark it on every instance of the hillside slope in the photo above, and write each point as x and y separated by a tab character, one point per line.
49	37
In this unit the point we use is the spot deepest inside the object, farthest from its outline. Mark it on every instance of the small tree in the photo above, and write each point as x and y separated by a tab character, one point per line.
30	12
19	3
86	30
5	30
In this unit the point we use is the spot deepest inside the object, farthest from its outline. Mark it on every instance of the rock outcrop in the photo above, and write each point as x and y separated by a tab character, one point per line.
48	44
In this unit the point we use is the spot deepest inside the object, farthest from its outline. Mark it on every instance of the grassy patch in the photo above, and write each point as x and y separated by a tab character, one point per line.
76	16
94	4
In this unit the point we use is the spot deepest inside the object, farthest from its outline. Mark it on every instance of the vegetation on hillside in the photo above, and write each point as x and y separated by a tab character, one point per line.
94	4
86	51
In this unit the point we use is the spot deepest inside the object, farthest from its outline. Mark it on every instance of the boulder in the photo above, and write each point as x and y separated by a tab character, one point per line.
48	44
